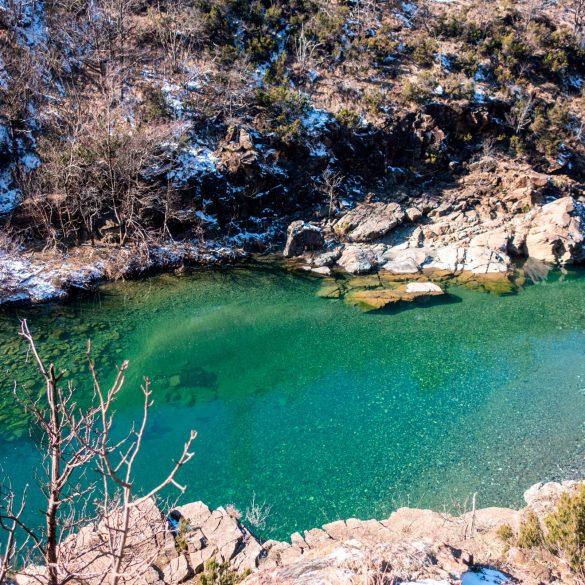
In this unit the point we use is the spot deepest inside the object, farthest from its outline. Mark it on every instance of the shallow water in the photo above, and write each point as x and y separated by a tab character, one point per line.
322	411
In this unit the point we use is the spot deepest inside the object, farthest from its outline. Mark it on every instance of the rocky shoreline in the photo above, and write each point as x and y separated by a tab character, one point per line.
398	249
412	546
413	245
31	278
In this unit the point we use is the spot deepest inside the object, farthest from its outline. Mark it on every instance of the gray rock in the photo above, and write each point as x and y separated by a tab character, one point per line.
178	571
301	237
361	259
369	221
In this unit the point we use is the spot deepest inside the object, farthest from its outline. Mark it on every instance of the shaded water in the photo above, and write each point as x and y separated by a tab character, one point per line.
322	411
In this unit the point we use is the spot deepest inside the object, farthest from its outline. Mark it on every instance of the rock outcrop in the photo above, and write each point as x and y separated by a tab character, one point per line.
410	547
302	237
460	231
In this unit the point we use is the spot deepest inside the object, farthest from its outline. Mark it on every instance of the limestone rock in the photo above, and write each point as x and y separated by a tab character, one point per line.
178	571
196	513
223	532
556	232
369	221
301	237
423	288
541	498
361	259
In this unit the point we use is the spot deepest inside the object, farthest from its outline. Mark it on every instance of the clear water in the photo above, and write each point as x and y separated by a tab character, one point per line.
320	410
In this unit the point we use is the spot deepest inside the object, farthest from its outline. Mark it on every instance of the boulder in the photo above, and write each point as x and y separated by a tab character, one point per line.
178	571
423	288
196	513
556	232
405	260
302	237
369	221
360	259
223	532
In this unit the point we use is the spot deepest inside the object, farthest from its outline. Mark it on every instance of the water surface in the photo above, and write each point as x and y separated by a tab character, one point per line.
320	410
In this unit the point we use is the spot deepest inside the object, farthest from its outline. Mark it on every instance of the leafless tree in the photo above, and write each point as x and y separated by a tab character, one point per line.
577	9
116	462
74	545
62	424
257	513
520	114
11	510
305	50
329	184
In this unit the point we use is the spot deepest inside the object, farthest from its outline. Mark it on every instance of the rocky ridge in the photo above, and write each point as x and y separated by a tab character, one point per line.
411	546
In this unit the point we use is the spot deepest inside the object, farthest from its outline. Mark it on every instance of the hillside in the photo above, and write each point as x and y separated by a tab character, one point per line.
197	130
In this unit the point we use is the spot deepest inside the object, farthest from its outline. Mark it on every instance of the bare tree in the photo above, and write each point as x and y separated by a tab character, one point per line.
110	545
257	513
329	184
11	510
116	464
305	50
520	114
577	9
62	425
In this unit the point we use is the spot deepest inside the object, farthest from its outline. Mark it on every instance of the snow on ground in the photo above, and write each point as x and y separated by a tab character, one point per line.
9	193
315	121
192	162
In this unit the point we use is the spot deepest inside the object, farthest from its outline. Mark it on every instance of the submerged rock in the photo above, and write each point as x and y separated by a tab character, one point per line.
371	299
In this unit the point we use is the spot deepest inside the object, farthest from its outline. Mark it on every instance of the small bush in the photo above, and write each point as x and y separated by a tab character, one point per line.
423	51
220	574
566	529
284	109
530	533
505	533
347	118
155	106
181	538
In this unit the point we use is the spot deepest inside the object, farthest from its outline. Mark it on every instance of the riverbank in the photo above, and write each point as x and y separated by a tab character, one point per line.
412	546
38	277
405	247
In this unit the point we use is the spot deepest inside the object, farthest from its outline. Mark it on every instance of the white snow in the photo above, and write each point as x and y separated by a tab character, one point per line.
315	121
9	194
192	162
205	217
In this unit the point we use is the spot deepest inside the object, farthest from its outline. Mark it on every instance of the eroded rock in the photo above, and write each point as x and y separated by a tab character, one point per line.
301	237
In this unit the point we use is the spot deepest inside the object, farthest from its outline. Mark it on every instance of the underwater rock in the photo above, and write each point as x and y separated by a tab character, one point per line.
378	298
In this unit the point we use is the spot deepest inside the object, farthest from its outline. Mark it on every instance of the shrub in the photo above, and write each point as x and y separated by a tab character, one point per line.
181	538
348	118
220	574
423	51
284	108
374	100
505	533
566	529
155	106
530	533
418	91
261	47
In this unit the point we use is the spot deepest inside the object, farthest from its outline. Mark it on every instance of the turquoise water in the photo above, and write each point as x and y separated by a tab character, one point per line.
322	411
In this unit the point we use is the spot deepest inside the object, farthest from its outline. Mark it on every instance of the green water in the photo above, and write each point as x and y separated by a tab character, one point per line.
320	410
